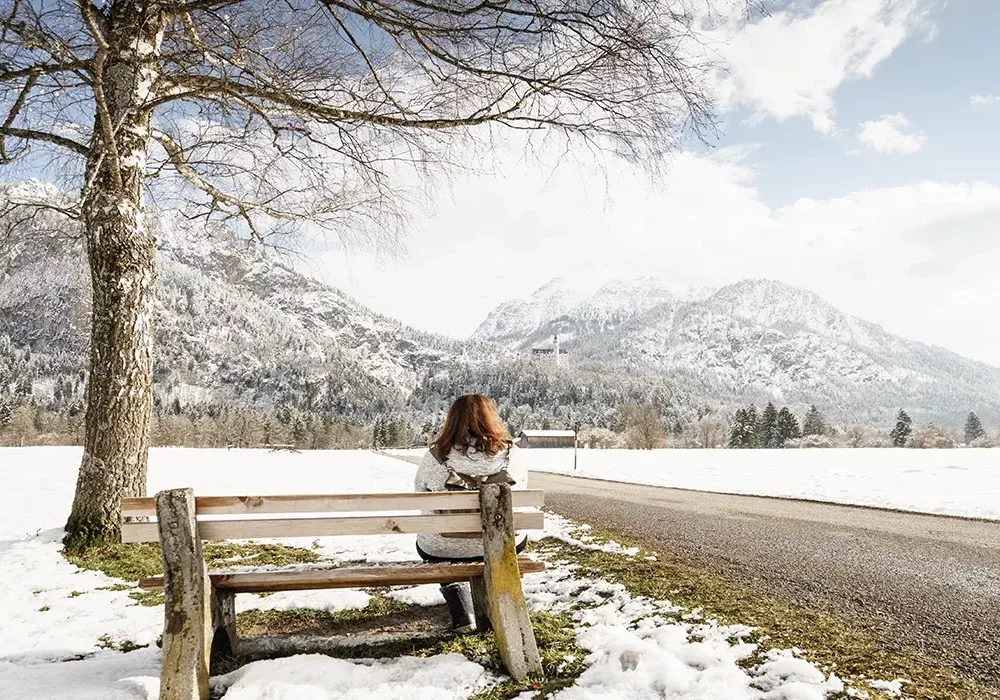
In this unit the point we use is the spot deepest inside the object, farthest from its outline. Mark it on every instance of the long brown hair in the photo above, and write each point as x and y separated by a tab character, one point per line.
472	423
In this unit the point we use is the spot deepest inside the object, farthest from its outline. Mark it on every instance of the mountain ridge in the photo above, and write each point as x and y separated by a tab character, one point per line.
237	327
232	325
759	339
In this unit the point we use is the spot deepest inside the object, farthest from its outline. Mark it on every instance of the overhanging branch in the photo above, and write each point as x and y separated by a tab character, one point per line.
47	137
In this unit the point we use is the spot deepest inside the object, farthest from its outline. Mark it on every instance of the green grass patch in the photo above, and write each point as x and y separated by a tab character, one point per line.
125	646
75	594
148	599
253	622
44	608
132	562
218	555
854	654
114	587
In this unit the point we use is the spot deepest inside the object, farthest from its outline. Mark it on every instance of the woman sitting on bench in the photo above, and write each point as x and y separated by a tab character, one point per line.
473	448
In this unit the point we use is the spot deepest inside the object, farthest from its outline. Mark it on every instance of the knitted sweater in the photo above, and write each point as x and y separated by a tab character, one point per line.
431	476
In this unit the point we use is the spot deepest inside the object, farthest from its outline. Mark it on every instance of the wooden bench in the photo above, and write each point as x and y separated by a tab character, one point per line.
199	612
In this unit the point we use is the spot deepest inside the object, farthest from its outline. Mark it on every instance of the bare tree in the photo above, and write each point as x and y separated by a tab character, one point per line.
268	113
931	437
644	427
707	433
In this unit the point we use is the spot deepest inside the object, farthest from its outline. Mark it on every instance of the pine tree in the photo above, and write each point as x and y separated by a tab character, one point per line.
813	424
736	430
379	433
743	434
752	426
300	432
904	426
788	426
973	429
5	413
767	429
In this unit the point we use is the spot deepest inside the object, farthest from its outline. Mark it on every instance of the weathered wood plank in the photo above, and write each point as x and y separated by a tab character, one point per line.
480	603
318	579
325	527
224	641
332	503
187	627
508	611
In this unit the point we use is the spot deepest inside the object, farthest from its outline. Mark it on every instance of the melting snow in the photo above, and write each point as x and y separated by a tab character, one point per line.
57	618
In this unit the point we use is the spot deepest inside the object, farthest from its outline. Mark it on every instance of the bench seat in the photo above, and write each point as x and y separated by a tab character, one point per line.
409	574
200	605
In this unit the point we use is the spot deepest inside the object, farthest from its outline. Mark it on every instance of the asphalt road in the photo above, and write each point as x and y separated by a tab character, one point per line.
919	582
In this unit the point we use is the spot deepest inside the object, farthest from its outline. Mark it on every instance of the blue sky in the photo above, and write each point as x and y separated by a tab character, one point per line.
930	80
853	163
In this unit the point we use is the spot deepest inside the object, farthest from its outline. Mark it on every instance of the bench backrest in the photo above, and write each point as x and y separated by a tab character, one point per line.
297	526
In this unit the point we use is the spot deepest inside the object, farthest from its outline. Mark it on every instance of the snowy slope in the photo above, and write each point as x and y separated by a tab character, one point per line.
233	325
761	340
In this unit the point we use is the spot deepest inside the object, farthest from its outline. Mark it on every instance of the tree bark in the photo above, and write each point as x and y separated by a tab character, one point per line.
122	256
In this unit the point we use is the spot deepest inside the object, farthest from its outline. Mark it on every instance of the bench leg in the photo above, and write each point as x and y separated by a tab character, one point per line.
223	624
187	624
507	609
480	604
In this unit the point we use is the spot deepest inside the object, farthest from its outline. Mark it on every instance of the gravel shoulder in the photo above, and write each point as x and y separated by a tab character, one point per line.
919	583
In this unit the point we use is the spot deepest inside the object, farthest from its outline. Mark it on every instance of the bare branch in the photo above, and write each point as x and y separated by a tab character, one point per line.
47	137
177	158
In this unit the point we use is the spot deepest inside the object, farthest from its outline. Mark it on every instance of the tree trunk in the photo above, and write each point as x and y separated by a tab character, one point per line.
122	256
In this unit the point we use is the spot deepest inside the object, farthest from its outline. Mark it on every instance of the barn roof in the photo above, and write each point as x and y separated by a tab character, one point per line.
548	433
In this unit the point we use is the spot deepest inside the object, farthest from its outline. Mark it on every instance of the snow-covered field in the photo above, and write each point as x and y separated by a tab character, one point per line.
962	482
55	616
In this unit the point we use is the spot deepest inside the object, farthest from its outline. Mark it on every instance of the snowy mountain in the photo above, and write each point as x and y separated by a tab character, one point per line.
605	310
759	340
233	326
239	327
512	320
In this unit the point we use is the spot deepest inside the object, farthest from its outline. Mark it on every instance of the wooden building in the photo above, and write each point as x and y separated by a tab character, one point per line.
546	438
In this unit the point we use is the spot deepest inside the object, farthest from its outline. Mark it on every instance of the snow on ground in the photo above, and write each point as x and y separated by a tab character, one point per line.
962	482
57	618
315	677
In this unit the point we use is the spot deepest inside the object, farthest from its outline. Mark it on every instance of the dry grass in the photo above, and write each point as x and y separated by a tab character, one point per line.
854	655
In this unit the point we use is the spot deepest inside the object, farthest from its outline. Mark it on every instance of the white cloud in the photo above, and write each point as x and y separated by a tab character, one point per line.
898	256
980	99
887	135
790	63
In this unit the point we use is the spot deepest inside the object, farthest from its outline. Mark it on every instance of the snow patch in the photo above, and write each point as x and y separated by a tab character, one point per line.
315	677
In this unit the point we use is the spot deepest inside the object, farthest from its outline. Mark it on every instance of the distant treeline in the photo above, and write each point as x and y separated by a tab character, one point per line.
636	425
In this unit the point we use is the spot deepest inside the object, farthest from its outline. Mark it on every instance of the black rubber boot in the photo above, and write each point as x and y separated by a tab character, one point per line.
458	596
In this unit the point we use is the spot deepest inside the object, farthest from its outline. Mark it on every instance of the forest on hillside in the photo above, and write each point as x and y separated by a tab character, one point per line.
607	410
